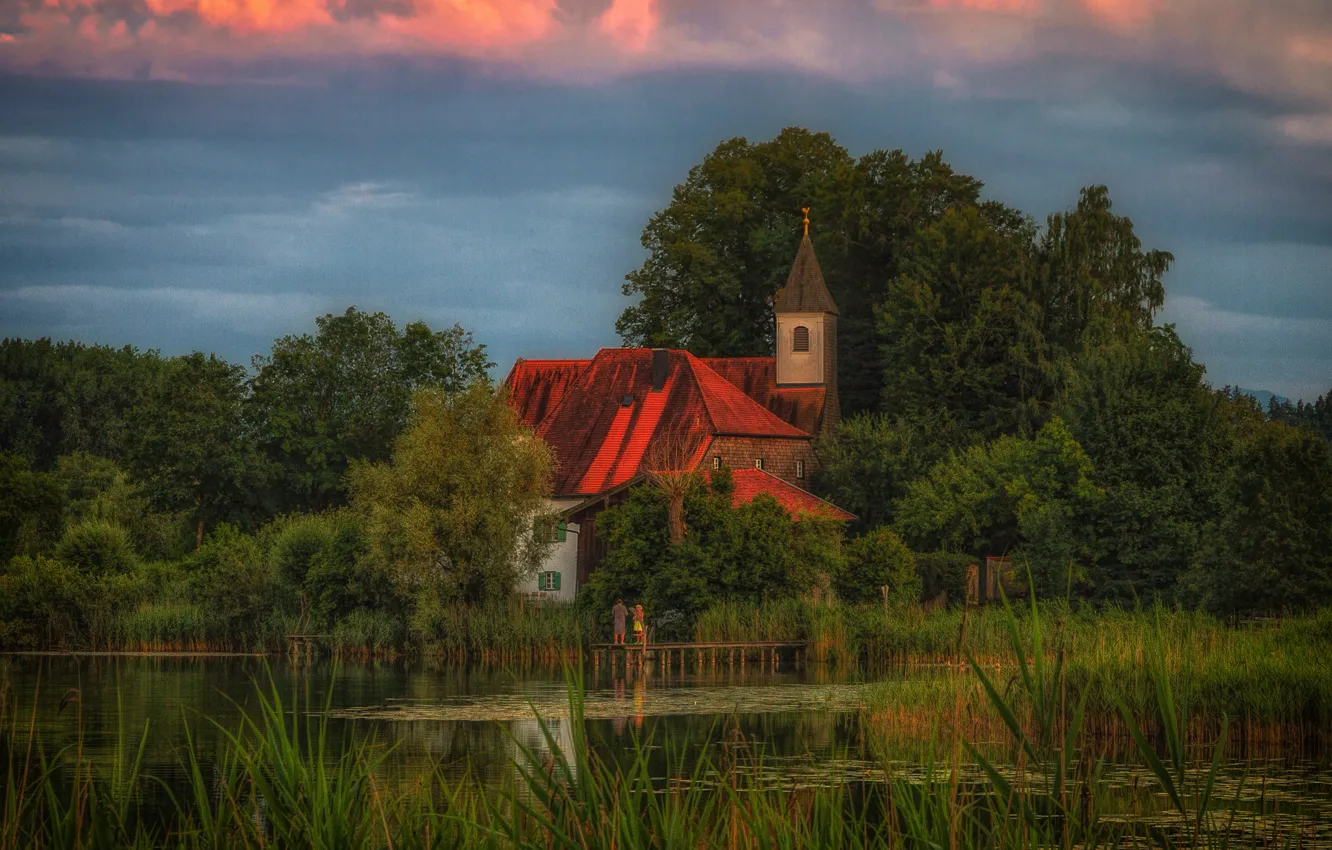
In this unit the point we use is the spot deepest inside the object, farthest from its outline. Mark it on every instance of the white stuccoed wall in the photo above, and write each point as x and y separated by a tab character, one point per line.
563	558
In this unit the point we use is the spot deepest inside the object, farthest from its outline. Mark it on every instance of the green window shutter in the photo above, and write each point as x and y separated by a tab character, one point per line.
561	530
555	577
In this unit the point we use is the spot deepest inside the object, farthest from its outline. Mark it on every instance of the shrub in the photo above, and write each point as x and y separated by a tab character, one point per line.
943	572
41	602
97	548
297	541
875	561
237	586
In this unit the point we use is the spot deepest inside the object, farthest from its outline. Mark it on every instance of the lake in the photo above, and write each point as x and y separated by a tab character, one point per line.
425	716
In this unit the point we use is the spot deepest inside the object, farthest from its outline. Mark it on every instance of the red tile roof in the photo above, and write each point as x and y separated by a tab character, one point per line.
600	440
750	483
536	386
756	377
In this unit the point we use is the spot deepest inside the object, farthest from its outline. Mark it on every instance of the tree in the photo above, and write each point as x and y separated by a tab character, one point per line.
962	347
1094	281
867	462
1019	496
57	398
345	393
98	489
1316	415
97	548
1160	443
236	585
1272	549
30	507
450	517
876	561
720	250
745	553
194	451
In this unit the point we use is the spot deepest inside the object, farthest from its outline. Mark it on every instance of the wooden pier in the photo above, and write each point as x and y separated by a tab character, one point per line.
699	655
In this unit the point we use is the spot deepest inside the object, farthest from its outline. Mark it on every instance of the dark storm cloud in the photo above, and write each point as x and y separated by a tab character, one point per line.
183	216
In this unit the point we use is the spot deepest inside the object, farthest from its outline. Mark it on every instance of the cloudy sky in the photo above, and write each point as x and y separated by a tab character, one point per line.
209	174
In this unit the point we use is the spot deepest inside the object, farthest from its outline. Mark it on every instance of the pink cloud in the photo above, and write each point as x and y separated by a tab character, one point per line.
631	23
1121	14
1021	7
1263	46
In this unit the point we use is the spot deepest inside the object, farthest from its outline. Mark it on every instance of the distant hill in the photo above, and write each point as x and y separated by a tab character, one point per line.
1264	397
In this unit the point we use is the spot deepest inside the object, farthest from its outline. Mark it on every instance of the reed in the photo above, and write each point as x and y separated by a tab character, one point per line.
282	778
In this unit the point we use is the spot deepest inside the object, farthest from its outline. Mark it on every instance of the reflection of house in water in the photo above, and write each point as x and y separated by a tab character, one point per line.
759	416
528	734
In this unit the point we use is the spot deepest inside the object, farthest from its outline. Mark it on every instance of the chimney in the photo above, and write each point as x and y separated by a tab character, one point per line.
659	356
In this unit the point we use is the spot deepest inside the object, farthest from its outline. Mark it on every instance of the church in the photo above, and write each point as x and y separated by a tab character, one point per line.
613	418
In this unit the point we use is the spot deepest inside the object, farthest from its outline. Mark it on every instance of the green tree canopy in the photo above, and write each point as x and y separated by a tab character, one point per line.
449	518
57	398
194	451
720	250
867	462
1011	496
876	561
737	554
345	392
1160	442
30	507
962	347
1272	548
1094	280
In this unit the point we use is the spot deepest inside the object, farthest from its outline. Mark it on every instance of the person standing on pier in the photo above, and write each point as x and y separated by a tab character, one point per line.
618	613
640	634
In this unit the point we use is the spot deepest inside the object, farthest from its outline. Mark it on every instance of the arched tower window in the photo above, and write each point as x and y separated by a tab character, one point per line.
800	338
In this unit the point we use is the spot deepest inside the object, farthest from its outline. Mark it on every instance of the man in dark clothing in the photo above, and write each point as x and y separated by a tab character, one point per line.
618	613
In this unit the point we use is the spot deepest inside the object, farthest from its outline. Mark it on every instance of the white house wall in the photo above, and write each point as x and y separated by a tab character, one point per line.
563	558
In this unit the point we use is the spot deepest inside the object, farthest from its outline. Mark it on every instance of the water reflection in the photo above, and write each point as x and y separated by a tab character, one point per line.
801	725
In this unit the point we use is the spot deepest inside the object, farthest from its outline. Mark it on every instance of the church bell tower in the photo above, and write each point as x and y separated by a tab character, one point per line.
807	331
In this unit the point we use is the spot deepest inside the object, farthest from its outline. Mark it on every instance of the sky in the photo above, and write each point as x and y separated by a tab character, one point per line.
211	174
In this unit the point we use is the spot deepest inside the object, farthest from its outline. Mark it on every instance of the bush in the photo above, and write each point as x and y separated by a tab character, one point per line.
944	572
97	548
238	588
41	602
296	542
875	561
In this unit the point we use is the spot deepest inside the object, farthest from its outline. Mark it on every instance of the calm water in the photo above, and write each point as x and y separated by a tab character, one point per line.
433	716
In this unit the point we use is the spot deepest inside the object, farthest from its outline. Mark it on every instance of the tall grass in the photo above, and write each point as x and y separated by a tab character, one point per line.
504	632
282	778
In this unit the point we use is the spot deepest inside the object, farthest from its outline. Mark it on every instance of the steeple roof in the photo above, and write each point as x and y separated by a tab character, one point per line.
805	291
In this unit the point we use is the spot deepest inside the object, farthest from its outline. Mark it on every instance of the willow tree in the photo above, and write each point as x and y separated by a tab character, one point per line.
449	517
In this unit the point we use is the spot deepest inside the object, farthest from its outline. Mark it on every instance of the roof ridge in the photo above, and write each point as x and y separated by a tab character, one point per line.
696	364
796	487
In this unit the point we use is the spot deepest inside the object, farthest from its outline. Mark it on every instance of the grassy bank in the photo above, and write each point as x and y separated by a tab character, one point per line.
1271	679
282	780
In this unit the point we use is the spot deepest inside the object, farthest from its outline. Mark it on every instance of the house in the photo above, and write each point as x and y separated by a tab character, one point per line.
611	418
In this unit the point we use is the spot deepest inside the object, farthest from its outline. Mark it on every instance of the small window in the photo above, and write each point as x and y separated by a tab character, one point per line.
716	461
800	338
548	581
758	463
800	469
555	531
